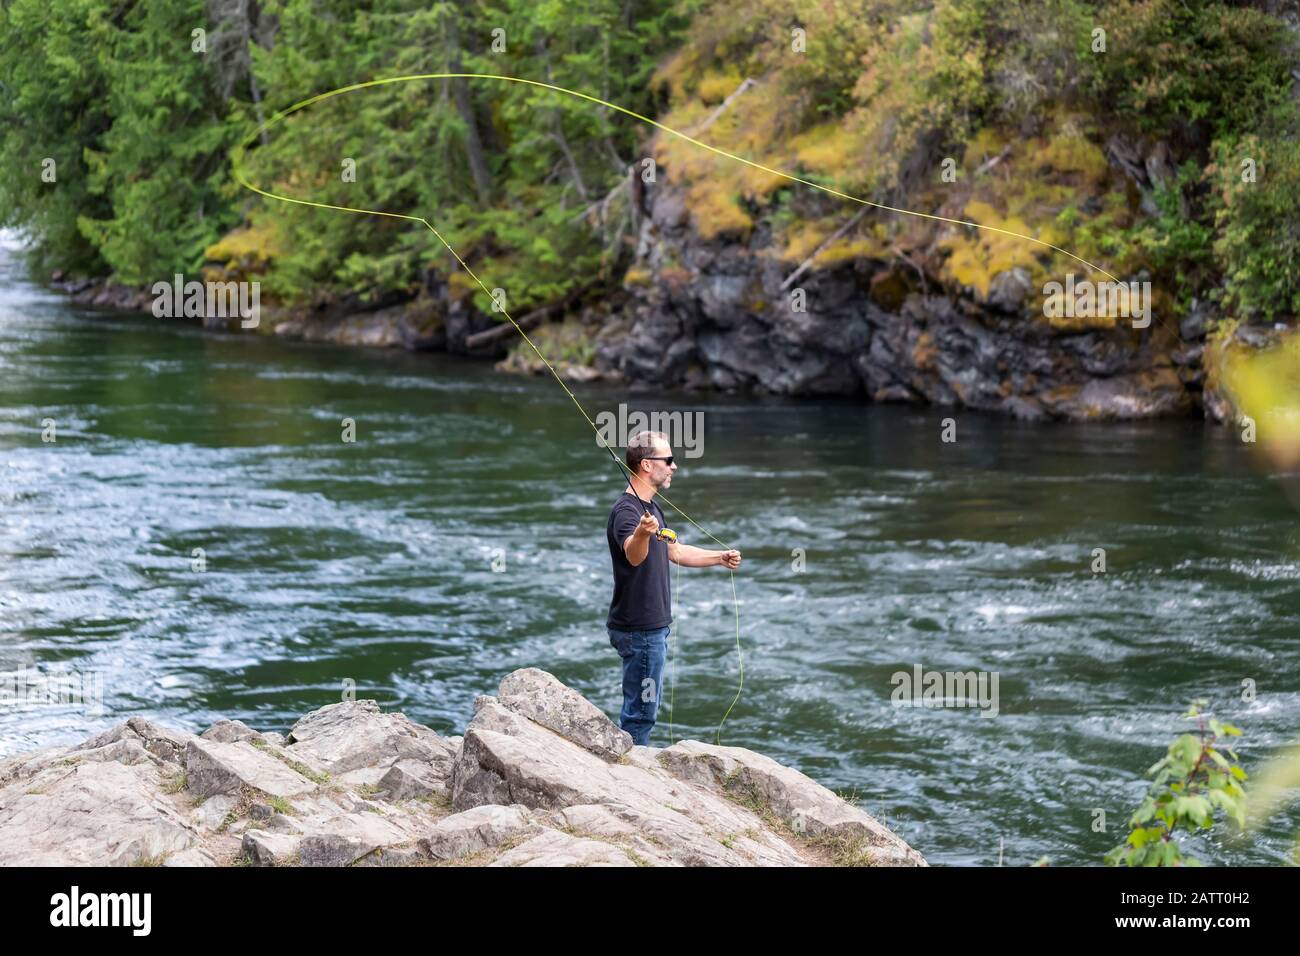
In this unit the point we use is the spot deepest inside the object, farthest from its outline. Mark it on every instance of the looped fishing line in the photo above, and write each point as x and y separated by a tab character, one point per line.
237	160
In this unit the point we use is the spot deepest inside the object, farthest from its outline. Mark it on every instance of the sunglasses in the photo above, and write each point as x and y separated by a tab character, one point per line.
664	458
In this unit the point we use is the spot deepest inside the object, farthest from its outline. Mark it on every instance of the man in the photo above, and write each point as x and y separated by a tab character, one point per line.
641	611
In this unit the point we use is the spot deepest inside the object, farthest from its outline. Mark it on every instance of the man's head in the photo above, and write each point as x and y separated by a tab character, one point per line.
647	458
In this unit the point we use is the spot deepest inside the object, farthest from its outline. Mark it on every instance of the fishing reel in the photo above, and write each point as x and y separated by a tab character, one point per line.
667	534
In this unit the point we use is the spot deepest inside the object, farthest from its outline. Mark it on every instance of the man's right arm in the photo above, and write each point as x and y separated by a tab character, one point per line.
637	544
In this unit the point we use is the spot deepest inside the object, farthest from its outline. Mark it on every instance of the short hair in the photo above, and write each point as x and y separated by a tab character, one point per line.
640	447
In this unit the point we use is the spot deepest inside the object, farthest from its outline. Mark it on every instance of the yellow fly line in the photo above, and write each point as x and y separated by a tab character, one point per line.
238	157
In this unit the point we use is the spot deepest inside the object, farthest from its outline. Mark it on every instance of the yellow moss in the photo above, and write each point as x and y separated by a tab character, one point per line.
1054	234
715	87
757	185
834	150
1038	198
1082	323
975	260
845	250
802	238
687	162
716	213
636	276
983	146
260	243
1073	153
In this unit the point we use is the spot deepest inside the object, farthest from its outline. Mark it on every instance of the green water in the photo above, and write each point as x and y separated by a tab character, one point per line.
373	562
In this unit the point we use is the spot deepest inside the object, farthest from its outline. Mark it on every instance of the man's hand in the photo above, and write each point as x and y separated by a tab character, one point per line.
729	559
648	527
637	545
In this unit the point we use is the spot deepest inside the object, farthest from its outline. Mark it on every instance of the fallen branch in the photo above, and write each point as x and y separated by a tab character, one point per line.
990	163
532	319
724	105
602	204
803	266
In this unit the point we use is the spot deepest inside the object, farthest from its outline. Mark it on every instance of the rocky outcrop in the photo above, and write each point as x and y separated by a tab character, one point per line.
718	314
541	777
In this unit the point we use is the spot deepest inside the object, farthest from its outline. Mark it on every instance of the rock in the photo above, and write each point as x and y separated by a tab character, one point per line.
392	856
410	778
540	778
421	327
555	848
166	744
888	288
1192	326
269	849
332	850
808	807
508	759
669	209
194	856
1008	290
213	768
535	694
477	829
230	731
1142	395
212	812
1255	336
97	813
354	736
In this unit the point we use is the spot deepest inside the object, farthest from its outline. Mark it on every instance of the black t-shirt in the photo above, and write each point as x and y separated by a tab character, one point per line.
641	598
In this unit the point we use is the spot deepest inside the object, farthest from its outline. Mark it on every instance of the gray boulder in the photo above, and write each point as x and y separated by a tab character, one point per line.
541	777
535	694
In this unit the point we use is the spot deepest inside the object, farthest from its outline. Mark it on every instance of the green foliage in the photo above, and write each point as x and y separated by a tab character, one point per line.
1257	236
52	105
141	127
839	35
1175	63
115	95
1192	782
541	156
1177	243
161	162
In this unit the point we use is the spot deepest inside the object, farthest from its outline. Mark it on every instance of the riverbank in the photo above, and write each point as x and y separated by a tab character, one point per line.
541	777
933	350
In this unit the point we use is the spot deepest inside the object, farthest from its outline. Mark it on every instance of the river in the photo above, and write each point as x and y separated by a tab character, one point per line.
870	545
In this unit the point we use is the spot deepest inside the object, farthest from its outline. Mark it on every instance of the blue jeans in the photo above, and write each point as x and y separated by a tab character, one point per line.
644	654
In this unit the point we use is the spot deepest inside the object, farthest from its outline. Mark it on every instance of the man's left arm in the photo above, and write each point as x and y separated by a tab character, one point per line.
689	556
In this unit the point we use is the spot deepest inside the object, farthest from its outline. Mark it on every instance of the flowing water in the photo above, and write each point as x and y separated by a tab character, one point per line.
871	547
